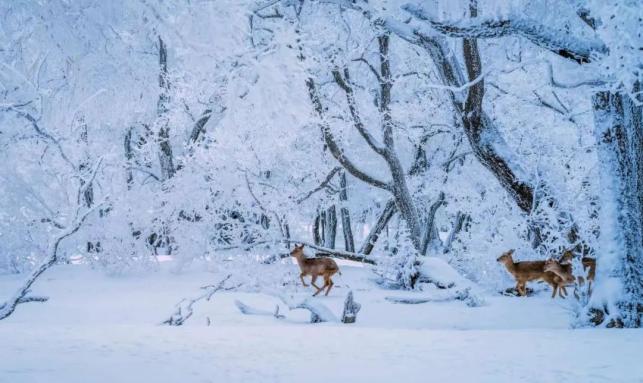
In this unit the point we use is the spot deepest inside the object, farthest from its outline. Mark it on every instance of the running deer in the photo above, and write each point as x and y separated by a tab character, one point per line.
526	271
315	267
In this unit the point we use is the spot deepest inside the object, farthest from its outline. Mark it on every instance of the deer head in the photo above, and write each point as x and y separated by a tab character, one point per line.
506	257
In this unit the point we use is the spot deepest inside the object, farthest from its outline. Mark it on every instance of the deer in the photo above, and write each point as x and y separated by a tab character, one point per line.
589	266
526	271
315	267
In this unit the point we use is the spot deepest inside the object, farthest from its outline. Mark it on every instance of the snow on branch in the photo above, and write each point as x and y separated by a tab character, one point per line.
336	253
322	185
185	309
345	85
567	45
318	312
334	147
20	296
248	310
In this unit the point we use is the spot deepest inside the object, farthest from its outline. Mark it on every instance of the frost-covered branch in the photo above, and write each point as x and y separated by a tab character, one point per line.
322	185
562	43
318	312
345	85
185	309
10	305
336	253
332	144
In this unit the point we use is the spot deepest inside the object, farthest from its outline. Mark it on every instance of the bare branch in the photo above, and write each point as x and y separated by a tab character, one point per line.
336	253
344	84
332	144
322	185
581	50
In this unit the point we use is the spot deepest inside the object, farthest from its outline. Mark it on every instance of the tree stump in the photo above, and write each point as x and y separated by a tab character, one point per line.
351	308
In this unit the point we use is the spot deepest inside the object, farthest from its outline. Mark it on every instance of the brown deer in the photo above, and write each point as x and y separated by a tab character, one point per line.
526	271
564	272
315	267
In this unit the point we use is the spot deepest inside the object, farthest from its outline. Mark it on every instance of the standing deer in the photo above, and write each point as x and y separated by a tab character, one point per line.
564	272
526	271
315	267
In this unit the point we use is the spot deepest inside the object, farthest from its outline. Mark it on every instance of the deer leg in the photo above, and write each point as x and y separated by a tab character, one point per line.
312	282
301	276
555	288
323	287
563	291
330	285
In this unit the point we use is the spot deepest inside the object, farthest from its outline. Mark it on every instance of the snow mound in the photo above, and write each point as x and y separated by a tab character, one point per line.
438	272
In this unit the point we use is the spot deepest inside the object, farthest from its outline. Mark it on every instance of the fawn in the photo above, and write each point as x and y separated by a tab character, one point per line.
315	267
589	266
564	271
526	271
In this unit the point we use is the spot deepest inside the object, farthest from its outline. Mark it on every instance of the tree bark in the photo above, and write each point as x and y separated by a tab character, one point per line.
166	158
430	231
619	133
382	222
349	242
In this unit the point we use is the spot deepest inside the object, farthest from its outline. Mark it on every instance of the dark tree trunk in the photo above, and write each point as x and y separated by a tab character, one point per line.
430	231
461	222
166	158
330	227
349	242
619	133
382	222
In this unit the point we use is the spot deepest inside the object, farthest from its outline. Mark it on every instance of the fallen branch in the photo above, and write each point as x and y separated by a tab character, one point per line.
184	309
336	253
318	312
247	310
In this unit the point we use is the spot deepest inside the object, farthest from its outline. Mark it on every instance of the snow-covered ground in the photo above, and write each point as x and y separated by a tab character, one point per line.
97	328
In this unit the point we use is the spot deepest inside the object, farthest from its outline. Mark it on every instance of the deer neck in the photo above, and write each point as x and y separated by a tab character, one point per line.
300	261
511	266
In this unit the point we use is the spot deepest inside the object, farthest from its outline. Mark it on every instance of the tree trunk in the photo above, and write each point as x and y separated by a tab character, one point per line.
430	231
349	242
382	222
166	158
619	133
330	227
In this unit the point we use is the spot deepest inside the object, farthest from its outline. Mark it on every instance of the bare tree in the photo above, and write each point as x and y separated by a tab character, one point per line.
20	296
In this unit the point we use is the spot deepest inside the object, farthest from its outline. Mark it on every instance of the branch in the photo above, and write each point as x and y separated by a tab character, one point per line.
332	144
581	50
185	308
318	312
39	130
335	253
321	185
344	84
9	306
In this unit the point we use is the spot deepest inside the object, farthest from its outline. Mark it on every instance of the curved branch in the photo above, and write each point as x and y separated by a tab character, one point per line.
321	185
344	83
332	144
565	45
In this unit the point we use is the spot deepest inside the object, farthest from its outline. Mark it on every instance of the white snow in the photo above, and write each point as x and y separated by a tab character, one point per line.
97	328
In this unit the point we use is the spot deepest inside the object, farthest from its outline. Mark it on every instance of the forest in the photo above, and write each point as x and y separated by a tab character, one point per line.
216	190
